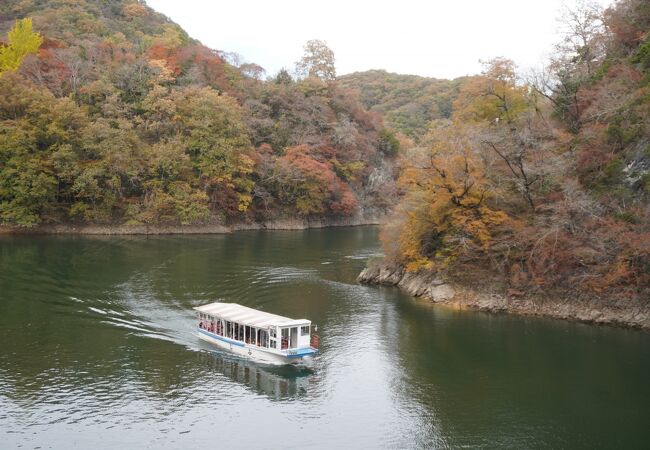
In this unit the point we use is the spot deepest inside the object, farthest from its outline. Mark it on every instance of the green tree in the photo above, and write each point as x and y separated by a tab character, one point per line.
218	145
388	143
37	134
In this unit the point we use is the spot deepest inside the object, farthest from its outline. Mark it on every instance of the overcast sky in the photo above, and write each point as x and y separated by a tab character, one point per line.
436	38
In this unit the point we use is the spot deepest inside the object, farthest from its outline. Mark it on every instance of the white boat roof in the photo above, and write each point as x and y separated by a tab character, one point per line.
244	315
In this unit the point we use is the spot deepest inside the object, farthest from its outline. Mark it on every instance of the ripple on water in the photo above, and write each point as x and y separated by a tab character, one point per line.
108	349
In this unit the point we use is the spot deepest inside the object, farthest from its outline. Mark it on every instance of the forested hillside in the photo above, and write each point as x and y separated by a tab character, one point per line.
407	102
118	116
110	113
540	183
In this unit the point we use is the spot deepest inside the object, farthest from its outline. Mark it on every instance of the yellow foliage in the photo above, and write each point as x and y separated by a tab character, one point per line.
133	10
494	96
348	171
165	74
448	190
21	42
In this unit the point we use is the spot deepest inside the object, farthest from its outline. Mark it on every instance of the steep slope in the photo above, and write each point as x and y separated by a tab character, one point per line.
540	190
122	118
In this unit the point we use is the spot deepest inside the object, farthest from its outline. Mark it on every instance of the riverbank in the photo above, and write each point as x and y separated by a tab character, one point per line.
214	228
628	313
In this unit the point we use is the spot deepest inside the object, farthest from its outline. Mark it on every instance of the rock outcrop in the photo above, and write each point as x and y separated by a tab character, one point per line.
430	285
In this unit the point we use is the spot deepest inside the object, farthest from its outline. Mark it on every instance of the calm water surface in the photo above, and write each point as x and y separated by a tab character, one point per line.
97	350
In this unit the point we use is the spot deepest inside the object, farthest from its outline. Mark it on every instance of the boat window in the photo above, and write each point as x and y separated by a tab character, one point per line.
262	339
304	331
272	343
250	335
284	339
272	332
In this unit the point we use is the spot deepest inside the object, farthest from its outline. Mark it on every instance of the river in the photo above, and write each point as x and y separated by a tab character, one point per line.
98	350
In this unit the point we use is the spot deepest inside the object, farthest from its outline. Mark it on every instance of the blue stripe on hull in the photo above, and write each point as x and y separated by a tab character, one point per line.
301	352
297	353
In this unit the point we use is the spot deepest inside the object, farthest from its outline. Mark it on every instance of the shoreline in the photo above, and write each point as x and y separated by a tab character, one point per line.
216	228
594	310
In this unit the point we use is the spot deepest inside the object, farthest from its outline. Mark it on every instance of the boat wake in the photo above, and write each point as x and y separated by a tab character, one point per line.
133	306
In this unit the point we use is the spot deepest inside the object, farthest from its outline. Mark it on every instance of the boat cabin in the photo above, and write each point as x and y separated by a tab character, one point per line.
247	327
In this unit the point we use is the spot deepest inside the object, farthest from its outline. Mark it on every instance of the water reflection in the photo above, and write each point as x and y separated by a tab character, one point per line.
97	339
277	383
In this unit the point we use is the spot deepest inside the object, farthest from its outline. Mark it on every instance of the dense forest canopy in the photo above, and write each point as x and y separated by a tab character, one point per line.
407	102
111	113
117	116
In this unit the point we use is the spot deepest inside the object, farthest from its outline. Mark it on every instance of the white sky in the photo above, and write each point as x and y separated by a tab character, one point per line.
436	38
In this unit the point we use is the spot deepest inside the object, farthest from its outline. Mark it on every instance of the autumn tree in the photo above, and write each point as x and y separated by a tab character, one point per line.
450	216
494	96
584	39
36	129
509	122
311	185
21	41
218	145
583	46
120	117
252	70
317	61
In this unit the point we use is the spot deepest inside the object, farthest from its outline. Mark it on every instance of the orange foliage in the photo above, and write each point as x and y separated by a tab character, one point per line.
452	218
312	185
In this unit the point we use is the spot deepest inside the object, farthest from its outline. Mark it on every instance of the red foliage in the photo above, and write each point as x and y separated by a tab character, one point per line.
300	158
604	256
343	202
160	52
323	152
594	154
628	22
47	69
209	66
318	190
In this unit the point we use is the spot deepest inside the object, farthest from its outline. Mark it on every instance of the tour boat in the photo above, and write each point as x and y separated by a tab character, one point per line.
256	335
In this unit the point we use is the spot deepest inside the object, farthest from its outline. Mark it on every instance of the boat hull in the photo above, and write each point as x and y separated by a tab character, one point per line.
250	351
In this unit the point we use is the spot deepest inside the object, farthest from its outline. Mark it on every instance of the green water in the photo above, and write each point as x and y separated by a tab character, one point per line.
97	350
